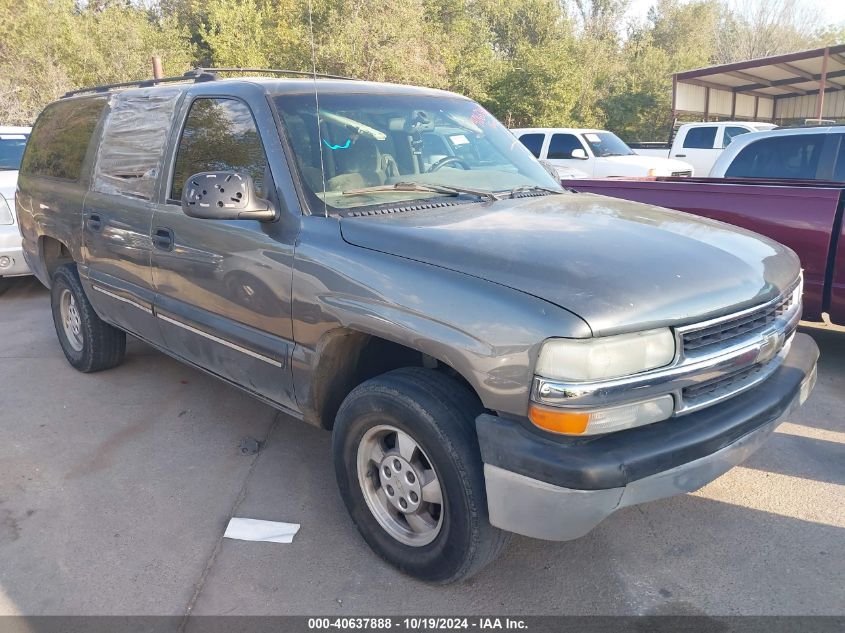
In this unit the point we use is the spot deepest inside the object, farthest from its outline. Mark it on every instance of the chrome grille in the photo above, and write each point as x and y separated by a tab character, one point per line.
739	327
722	385
682	173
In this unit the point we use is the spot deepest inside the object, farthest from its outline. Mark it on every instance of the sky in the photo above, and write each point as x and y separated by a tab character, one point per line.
831	11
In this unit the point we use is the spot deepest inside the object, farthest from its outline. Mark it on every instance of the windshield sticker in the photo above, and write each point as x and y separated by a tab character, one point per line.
459	139
344	146
12	137
593	138
479	116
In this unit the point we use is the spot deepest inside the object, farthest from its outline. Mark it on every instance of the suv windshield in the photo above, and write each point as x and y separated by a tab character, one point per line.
368	142
607	144
11	150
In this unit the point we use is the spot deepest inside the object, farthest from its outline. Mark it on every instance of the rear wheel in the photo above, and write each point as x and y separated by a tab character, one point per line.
409	470
89	343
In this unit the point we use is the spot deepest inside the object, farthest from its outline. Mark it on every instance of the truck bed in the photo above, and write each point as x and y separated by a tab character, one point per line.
804	215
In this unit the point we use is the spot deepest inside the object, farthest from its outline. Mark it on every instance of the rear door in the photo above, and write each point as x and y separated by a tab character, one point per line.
224	287
118	211
533	142
697	147
55	174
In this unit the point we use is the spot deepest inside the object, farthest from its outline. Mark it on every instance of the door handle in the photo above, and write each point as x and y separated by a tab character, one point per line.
95	222
163	239
680	155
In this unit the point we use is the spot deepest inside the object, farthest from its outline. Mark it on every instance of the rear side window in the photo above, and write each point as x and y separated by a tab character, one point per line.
59	142
732	131
787	156
562	145
133	142
534	143
700	138
219	135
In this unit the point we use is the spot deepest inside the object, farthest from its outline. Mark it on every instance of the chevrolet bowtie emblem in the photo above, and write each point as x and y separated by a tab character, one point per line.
771	346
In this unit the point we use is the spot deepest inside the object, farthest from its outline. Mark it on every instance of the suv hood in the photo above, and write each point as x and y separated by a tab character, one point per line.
621	266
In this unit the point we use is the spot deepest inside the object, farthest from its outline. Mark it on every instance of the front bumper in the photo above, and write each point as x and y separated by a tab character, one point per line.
560	488
12	261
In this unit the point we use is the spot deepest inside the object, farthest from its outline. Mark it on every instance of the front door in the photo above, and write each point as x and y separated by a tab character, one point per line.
224	287
561	146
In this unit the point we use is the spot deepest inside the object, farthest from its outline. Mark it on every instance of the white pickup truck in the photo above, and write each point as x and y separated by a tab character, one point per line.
700	144
598	153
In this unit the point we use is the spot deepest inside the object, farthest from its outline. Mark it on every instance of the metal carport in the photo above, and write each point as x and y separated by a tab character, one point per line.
785	89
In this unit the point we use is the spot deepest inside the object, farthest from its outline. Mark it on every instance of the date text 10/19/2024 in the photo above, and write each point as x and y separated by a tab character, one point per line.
417	624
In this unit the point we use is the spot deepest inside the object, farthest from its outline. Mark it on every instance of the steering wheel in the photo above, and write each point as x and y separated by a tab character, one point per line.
446	160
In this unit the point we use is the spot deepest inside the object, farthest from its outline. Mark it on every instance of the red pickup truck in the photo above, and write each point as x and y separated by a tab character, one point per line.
806	215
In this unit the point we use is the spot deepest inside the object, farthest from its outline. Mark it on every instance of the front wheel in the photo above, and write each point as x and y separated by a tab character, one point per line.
410	472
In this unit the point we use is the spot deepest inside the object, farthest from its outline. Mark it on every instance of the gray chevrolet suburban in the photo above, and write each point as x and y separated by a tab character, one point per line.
492	353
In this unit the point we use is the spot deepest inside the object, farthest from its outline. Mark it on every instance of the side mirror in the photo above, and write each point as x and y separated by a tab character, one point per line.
551	170
224	195
579	154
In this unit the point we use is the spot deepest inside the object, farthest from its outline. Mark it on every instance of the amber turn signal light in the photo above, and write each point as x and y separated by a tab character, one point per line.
558	421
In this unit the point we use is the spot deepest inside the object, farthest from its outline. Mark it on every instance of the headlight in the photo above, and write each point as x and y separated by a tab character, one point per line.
580	360
6	216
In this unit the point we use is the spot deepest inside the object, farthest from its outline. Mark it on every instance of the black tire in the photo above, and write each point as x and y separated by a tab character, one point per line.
102	345
439	413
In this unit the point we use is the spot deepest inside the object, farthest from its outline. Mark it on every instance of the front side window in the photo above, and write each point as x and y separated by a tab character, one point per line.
606	144
134	138
364	141
732	131
219	135
11	150
59	141
533	142
787	156
561	146
700	137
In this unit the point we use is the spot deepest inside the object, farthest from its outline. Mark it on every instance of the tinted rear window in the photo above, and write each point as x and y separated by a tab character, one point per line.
787	156
60	139
534	143
700	138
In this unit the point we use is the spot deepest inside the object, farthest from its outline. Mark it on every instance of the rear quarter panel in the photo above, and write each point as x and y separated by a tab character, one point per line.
801	215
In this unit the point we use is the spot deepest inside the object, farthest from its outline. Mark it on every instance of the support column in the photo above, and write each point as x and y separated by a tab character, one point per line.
822	85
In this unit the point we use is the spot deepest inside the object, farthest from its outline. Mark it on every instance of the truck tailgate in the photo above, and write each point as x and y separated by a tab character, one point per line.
800	214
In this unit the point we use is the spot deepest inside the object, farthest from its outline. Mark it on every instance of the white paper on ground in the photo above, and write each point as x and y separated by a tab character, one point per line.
258	530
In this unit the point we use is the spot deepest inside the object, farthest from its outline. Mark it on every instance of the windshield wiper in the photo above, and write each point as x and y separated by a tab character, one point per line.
419	187
528	188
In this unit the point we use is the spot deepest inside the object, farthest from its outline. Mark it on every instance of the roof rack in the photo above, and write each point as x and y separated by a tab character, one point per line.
200	74
276	71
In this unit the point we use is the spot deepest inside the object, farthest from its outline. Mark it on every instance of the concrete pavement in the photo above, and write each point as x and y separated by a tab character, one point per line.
115	489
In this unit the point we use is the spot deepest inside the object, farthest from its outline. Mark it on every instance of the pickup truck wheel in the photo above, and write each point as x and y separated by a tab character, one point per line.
89	343
410	473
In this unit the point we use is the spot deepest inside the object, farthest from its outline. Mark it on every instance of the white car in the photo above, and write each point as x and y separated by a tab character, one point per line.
799	153
599	153
700	144
12	143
